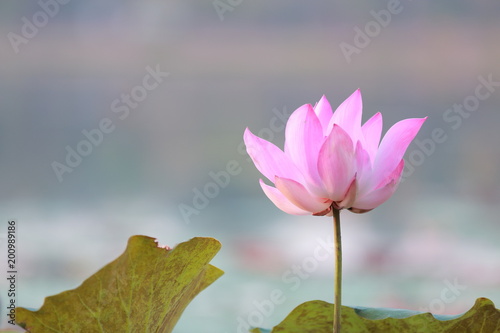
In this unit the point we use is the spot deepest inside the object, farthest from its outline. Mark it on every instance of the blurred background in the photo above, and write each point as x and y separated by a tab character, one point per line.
124	117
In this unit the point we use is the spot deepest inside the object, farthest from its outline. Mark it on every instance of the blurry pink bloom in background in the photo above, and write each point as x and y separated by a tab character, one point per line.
330	160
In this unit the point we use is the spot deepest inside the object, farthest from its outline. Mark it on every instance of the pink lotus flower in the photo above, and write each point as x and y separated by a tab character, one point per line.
331	161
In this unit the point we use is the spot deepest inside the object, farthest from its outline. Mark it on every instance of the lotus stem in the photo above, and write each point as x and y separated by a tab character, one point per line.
338	271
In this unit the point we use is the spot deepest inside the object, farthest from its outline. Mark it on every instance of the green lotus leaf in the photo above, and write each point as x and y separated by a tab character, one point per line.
317	317
146	289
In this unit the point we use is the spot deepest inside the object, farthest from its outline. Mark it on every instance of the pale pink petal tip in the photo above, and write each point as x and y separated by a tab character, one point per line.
280	201
297	194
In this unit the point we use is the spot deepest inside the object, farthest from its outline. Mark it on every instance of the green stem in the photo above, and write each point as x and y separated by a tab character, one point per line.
338	271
